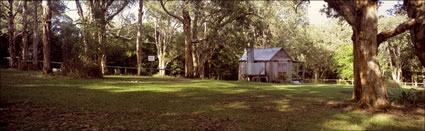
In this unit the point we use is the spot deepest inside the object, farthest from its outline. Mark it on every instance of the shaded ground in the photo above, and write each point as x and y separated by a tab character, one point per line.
29	100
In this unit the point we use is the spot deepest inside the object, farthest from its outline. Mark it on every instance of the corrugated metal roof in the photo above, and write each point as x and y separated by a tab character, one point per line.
262	54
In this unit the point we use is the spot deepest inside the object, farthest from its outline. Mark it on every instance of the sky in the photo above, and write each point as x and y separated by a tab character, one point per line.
314	14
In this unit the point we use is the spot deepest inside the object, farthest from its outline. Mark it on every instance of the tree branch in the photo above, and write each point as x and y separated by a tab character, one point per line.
4	5
169	13
108	4
80	10
119	36
118	11
198	41
346	8
384	35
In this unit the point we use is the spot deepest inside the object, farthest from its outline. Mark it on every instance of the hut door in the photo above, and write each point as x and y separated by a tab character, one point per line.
282	71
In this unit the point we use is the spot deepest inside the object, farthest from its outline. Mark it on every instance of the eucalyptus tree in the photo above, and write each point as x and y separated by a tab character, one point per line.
139	38
35	35
212	16
11	34
100	14
165	34
24	46
395	51
47	18
211	21
369	87
185	19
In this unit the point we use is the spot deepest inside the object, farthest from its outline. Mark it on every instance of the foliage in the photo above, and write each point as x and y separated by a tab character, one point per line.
392	84
343	59
404	97
80	69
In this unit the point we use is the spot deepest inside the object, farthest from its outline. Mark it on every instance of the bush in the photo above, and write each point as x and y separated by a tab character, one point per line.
79	69
407	97
392	84
344	82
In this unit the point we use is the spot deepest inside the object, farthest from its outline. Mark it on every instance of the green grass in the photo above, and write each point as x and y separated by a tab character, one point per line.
34	101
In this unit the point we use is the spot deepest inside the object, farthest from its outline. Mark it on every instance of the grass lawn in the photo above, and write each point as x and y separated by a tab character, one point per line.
29	100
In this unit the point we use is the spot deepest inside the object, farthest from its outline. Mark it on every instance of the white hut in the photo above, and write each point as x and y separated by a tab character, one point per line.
269	64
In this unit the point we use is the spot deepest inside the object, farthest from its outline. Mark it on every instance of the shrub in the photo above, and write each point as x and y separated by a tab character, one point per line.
392	84
79	69
405	97
344	82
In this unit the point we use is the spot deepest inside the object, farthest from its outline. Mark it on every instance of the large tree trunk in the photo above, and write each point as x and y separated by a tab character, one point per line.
11	31
35	37
416	9
369	86
23	64
374	91
139	39
47	16
187	41
161	65
195	50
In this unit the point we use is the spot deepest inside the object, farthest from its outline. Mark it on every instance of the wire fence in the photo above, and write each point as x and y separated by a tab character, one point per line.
351	82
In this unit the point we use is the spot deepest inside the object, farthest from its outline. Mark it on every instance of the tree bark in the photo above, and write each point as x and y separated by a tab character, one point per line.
188	60
374	91
47	16
194	52
23	64
35	37
11	31
187	41
362	16
139	39
357	93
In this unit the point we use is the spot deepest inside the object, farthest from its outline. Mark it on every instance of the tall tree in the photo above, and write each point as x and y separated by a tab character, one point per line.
165	34
102	17
369	84
47	17
84	33
139	41
369	87
35	37
394	53
24	52
186	21
94	28
11	31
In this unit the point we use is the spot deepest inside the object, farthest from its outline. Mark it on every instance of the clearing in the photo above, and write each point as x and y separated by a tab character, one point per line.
29	100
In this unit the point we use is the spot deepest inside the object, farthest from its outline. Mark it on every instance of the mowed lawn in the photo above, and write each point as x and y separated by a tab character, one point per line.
30	100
